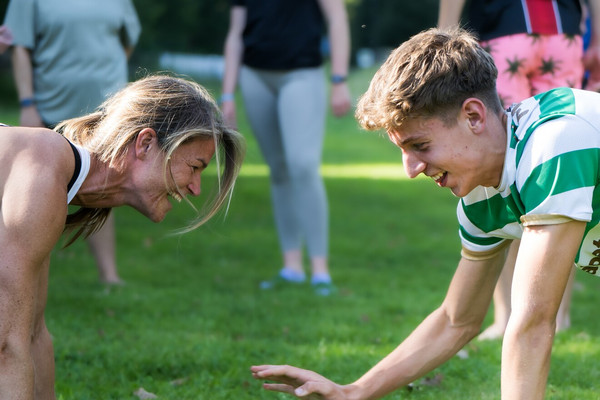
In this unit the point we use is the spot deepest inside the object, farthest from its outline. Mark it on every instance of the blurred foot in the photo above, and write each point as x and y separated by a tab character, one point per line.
278	282
494	331
324	288
112	282
286	277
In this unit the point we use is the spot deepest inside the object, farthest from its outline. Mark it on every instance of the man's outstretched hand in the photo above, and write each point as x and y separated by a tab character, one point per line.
298	382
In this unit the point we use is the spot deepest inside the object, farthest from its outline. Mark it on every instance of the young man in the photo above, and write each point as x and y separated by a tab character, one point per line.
531	172
536	46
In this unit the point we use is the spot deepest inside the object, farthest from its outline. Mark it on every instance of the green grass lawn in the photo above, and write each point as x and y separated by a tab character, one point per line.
190	320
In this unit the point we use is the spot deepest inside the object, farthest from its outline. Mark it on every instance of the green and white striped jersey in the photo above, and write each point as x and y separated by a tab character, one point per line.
551	175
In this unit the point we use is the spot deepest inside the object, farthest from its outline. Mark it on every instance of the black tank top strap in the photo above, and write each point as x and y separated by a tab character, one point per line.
77	161
77	165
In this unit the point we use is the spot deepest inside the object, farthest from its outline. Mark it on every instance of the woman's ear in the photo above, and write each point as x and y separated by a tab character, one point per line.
145	142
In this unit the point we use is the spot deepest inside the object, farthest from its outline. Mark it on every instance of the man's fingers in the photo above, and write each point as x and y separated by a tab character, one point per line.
285	374
279	387
271	370
324	388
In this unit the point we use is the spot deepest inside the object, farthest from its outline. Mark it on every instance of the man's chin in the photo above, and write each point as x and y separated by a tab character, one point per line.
456	191
461	191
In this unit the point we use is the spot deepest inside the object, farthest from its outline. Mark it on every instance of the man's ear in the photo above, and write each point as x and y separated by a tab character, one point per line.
474	112
145	142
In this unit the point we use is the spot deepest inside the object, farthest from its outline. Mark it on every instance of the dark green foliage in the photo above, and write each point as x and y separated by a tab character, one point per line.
189	26
387	23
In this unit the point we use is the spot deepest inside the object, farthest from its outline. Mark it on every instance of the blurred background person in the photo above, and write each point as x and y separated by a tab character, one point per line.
68	56
591	56
274	48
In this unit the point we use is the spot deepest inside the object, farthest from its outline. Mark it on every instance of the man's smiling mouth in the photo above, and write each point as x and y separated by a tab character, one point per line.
438	177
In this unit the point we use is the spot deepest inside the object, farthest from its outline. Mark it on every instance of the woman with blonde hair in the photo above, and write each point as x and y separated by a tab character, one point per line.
148	143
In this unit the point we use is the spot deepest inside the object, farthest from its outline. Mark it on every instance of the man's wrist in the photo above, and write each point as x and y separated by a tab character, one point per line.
352	391
26	102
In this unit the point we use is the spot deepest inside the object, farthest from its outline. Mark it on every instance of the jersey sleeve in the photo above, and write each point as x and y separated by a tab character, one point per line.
558	172
486	224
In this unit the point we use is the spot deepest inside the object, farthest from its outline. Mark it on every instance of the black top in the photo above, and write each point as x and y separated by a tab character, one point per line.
282	34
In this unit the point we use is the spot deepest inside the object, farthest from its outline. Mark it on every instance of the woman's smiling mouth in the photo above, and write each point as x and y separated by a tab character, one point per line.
176	196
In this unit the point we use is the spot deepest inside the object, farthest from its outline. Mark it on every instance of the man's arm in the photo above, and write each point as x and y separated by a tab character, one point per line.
441	335
542	270
339	37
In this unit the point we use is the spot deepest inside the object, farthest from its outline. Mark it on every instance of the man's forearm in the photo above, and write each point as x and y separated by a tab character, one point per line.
526	362
434	341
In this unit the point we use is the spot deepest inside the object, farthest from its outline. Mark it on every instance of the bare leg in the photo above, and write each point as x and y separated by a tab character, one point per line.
292	259
321	280
502	296
291	273
102	245
319	266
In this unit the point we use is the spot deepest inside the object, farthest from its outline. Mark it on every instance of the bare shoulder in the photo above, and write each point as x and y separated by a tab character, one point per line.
33	146
35	167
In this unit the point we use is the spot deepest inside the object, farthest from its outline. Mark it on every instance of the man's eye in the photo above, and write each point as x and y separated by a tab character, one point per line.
420	146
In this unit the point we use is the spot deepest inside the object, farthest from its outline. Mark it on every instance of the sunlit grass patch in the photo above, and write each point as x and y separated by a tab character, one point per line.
348	171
